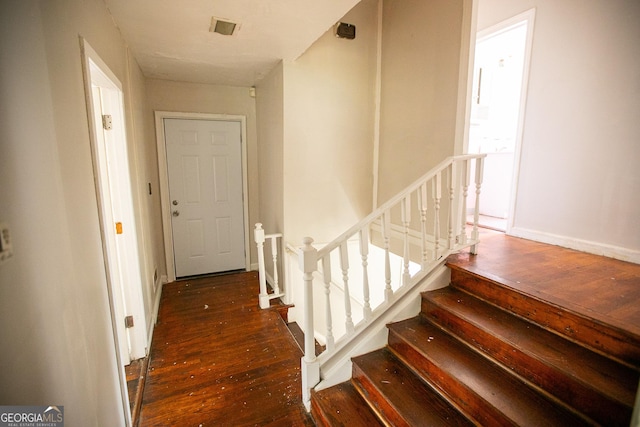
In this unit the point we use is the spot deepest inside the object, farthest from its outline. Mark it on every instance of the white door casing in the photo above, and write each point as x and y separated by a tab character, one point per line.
503	144
113	185
104	97
203	180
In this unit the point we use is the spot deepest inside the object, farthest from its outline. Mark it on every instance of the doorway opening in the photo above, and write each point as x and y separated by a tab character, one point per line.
203	190
107	134
500	76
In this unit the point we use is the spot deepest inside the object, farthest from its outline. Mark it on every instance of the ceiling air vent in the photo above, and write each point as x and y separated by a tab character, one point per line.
220	26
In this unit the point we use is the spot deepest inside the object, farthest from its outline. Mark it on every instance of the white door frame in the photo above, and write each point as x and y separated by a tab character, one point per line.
164	180
121	255
529	17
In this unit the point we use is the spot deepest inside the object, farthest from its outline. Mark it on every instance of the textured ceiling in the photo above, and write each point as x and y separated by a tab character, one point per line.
170	39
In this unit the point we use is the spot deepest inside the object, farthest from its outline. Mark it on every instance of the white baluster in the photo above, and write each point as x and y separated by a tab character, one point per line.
437	194
326	276
465	191
344	265
386	228
405	213
364	253
263	298
479	173
423	202
308	261
452	212
274	256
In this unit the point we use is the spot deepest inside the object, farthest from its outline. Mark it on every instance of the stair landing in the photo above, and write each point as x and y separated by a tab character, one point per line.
603	290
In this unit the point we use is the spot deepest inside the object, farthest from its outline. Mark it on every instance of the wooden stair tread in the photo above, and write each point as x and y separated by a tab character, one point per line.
603	337
579	376
398	395
282	308
526	335
485	391
342	405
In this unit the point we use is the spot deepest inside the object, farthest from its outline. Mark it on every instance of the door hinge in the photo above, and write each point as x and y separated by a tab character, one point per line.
118	228
128	322
106	122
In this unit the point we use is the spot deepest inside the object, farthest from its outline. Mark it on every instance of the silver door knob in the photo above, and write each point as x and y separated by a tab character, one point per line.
176	213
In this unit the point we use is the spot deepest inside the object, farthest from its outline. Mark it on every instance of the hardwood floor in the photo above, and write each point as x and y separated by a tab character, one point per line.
217	359
136	372
527	334
604	289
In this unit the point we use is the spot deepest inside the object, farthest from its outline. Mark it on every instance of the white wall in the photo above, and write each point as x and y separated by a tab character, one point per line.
421	60
164	95
579	178
56	337
270	128
329	100
143	156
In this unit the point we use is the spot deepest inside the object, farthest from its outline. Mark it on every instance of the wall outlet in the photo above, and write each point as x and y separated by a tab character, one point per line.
6	248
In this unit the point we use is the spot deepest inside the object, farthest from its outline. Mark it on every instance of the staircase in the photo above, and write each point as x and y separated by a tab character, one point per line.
480	353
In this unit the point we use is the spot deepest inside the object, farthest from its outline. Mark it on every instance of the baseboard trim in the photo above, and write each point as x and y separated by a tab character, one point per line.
596	248
154	315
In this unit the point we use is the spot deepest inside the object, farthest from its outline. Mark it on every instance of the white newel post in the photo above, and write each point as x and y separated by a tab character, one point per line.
452	207
274	258
258	235
476	213
308	259
464	179
437	195
422	207
405	214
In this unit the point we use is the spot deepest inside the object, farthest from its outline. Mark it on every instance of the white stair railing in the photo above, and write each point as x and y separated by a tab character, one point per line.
438	202
275	241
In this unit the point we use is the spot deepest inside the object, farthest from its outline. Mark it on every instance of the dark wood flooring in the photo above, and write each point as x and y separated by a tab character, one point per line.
218	360
136	372
526	335
604	289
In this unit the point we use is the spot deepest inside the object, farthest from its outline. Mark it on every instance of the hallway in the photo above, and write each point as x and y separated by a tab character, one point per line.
217	359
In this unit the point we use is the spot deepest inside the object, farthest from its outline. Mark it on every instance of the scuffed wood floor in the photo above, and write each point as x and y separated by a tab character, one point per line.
605	289
218	360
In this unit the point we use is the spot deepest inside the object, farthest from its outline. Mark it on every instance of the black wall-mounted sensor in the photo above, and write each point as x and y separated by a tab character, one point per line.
346	31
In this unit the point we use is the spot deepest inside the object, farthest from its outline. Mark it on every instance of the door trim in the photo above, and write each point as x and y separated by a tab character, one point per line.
164	180
122	262
527	16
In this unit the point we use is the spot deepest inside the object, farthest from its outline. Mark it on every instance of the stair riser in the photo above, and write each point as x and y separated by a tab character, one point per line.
376	399
318	415
341	405
606	340
399	396
456	392
591	401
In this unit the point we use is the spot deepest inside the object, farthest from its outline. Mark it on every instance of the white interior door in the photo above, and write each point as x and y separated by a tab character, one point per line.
204	165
